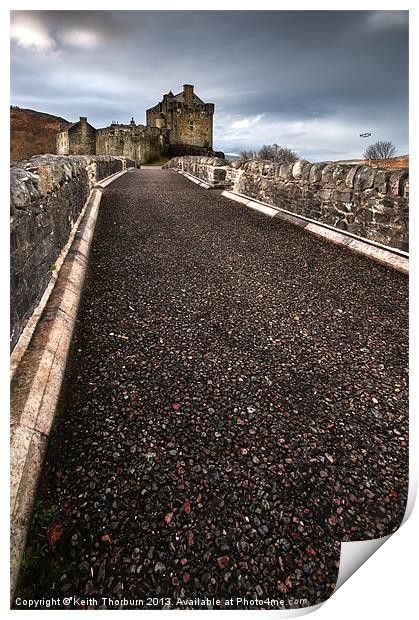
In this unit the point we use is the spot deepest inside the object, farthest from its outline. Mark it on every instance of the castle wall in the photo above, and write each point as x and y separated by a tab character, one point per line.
142	144
152	114
367	202
82	139
116	141
154	143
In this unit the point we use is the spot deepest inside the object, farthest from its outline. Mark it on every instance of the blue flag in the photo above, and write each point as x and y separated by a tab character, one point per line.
364	135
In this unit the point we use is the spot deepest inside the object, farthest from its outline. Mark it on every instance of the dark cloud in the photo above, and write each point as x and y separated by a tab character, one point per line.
315	79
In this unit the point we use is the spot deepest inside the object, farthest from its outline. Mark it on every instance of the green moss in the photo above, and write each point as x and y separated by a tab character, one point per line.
43	515
37	553
158	162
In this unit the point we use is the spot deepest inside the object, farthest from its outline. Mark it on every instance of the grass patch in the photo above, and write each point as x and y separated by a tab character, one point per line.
37	549
43	515
158	162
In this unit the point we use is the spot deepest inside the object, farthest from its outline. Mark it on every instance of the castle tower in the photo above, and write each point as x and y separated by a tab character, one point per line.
188	93
189	119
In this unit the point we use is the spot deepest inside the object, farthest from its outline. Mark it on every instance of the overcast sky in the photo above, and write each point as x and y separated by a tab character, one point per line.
309	80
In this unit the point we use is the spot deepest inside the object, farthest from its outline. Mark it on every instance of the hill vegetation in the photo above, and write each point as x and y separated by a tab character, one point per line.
33	133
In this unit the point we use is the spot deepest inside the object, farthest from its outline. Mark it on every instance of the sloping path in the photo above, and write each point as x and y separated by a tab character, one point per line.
235	406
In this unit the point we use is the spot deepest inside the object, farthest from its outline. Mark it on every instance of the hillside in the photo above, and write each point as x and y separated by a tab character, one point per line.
32	132
394	163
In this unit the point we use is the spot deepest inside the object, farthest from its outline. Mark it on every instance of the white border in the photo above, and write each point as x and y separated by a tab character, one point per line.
386	586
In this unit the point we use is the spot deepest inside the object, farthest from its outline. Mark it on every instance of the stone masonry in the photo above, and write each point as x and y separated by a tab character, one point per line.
213	170
179	125
368	202
188	118
47	195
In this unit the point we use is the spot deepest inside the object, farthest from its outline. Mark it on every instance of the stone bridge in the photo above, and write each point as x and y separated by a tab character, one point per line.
233	403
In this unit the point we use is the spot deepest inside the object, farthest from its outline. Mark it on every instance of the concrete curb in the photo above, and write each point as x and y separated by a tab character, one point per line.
38	373
199	182
396	259
195	180
108	180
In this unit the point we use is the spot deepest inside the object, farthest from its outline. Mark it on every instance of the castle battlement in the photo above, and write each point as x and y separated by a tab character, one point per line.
189	119
179	124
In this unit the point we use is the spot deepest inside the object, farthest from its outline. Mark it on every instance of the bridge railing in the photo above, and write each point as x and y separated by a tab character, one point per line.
48	193
211	170
372	203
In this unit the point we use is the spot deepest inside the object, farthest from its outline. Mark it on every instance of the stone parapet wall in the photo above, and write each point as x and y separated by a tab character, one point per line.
48	193
212	170
369	202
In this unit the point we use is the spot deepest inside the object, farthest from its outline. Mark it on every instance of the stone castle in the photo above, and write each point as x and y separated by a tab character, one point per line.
180	124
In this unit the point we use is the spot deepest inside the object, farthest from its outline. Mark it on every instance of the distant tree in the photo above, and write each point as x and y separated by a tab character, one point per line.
277	153
380	150
273	152
248	154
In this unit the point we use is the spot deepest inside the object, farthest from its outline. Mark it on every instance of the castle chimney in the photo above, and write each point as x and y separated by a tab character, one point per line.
188	92
83	119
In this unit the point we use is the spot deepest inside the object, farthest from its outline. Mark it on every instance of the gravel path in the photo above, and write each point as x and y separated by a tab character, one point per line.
235	406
